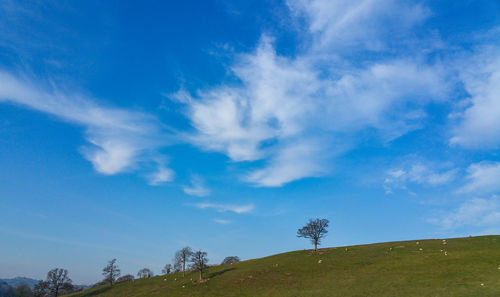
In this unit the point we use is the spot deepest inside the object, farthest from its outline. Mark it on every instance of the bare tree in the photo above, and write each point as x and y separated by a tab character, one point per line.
41	289
315	230
230	260
199	262
167	269
111	272
23	290
182	257
57	282
145	273
126	277
177	267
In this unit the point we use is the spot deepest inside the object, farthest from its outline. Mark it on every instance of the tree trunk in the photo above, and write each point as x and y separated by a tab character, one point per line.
315	245
201	274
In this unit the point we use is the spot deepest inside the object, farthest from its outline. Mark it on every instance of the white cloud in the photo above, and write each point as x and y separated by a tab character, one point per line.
480	120
223	222
289	113
119	139
197	187
359	24
418	173
477	212
162	175
298	113
239	209
483	177
291	163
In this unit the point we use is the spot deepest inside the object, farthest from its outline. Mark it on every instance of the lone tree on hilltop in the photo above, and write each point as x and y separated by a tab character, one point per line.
167	269
230	260
111	272
57	283
200	261
315	230
145	273
182	257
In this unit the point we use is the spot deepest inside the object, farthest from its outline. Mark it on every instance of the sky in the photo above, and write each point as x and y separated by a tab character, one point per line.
130	129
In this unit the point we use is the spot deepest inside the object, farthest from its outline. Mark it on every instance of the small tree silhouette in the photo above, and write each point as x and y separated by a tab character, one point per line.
315	230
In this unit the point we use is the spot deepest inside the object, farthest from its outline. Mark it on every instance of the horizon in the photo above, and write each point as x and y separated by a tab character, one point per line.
131	129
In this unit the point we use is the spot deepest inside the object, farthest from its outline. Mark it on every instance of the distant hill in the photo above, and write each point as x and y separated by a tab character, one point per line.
5	289
16	281
453	267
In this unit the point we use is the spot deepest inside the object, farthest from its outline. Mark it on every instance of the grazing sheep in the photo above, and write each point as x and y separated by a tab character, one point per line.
320	261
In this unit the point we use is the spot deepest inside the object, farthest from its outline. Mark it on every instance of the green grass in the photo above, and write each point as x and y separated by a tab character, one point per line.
471	268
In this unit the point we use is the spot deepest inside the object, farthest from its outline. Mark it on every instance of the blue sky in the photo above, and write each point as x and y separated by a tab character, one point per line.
131	129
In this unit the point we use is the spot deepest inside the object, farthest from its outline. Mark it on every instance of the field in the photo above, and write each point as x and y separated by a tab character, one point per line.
454	267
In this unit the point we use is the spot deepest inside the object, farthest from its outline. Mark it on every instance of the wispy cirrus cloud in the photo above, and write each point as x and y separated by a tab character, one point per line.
290	114
239	209
478	116
119	140
359	24
222	221
420	173
197	187
475	212
482	178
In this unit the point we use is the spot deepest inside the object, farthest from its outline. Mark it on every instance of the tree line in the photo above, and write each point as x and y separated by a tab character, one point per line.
58	283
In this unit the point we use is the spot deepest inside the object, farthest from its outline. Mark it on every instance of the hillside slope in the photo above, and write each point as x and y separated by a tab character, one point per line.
470	267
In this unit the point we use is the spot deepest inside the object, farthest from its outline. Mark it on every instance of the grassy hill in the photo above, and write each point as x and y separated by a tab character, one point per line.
470	267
